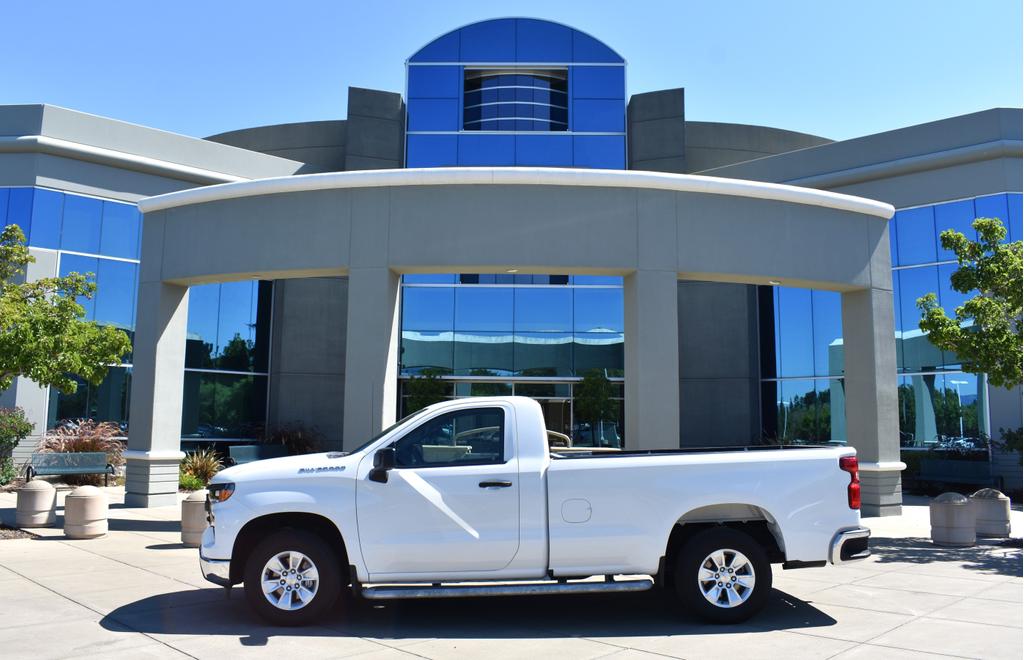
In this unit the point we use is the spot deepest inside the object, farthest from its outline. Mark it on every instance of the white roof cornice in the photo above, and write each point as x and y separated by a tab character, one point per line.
533	176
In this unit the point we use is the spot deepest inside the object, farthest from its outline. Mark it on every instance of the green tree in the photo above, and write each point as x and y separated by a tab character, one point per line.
593	400
42	332
424	390
985	332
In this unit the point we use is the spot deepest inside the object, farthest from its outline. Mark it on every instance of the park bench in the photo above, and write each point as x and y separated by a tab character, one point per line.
239	454
56	464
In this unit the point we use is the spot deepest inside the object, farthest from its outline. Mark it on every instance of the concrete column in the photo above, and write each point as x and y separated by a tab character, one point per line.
872	424
154	437
652	359
371	354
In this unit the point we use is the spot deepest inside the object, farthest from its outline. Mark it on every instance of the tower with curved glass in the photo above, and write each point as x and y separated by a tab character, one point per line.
516	91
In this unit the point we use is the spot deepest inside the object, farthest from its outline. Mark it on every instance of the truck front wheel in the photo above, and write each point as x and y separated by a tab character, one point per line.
723	575
292	578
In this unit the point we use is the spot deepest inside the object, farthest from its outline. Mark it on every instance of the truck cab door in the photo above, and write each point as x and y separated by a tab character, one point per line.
450	504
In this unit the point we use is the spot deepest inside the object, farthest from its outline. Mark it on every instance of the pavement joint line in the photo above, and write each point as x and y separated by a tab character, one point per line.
383	644
868	642
936	617
619	649
124	563
916	618
107	616
901	648
930	593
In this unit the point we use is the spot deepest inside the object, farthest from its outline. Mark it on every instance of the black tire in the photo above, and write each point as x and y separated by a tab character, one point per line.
691	558
324	559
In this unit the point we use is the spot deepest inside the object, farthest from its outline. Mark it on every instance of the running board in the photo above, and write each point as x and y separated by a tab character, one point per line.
504	589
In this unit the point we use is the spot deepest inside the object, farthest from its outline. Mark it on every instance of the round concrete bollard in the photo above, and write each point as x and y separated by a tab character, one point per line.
37	505
193	519
85	513
991	513
952	518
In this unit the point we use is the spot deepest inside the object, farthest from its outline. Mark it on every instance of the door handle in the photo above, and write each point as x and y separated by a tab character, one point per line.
495	484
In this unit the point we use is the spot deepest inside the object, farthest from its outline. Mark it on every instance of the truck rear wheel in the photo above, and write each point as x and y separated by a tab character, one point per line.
292	578
723	575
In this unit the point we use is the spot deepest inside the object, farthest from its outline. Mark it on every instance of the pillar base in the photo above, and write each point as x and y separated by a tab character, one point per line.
151	480
881	492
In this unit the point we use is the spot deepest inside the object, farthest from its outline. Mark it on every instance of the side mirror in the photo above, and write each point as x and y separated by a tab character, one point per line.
383	461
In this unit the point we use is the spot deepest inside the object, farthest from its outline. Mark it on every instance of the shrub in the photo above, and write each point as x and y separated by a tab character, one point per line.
187	481
8	471
202	465
14	427
297	438
85	435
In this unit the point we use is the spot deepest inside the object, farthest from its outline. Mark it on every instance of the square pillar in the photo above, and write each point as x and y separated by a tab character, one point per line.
652	359
371	354
154	436
872	422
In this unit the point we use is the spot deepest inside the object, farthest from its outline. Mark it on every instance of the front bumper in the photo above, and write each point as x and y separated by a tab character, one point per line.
850	545
217	571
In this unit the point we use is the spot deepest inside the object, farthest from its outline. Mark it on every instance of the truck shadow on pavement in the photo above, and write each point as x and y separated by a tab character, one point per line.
541	617
989	556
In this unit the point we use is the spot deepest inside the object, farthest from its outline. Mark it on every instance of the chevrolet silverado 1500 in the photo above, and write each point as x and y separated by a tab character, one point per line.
466	498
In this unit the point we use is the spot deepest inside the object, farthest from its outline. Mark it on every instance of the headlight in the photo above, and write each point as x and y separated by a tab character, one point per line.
220	492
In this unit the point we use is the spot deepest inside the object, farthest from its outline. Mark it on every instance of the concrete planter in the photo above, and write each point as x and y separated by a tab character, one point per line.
85	513
193	519
37	505
991	513
952	518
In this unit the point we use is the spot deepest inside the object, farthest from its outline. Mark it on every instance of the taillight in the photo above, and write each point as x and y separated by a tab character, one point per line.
849	464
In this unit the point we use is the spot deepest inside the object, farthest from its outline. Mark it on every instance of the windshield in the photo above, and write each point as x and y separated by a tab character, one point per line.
385	432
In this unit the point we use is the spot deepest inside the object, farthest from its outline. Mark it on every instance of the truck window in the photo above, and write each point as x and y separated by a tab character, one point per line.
466	437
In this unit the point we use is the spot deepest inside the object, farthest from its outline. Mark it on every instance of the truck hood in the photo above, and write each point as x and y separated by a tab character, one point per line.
324	464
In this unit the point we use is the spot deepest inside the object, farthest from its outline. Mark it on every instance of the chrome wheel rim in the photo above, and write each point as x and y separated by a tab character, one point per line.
726	578
290	580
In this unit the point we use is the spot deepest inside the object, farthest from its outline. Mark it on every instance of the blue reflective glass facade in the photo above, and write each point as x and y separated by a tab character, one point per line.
532	335
516	91
463	327
227	347
802	359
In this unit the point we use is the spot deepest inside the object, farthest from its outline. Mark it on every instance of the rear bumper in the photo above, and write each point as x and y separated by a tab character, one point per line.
850	545
217	571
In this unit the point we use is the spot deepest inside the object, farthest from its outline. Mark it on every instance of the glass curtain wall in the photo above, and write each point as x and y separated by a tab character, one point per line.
228	341
226	360
801	341
87	235
940	406
802	390
529	335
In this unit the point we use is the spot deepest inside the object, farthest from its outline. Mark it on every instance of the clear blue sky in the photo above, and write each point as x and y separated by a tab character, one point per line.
838	69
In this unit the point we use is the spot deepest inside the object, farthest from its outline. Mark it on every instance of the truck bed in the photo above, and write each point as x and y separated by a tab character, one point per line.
581	452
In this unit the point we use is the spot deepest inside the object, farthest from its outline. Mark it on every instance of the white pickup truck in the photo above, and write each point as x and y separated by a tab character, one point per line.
465	498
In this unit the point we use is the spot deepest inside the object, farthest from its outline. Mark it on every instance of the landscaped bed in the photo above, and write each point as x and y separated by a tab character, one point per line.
12	533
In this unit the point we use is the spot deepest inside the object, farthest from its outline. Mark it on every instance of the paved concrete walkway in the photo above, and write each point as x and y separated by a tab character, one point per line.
137	593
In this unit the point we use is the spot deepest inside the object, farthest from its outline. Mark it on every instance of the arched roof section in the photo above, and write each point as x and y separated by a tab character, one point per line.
516	40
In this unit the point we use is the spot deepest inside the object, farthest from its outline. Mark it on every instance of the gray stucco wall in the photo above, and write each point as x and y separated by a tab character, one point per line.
371	138
320	145
662	140
53	147
44	145
953	158
307	360
956	158
376	130
719	370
